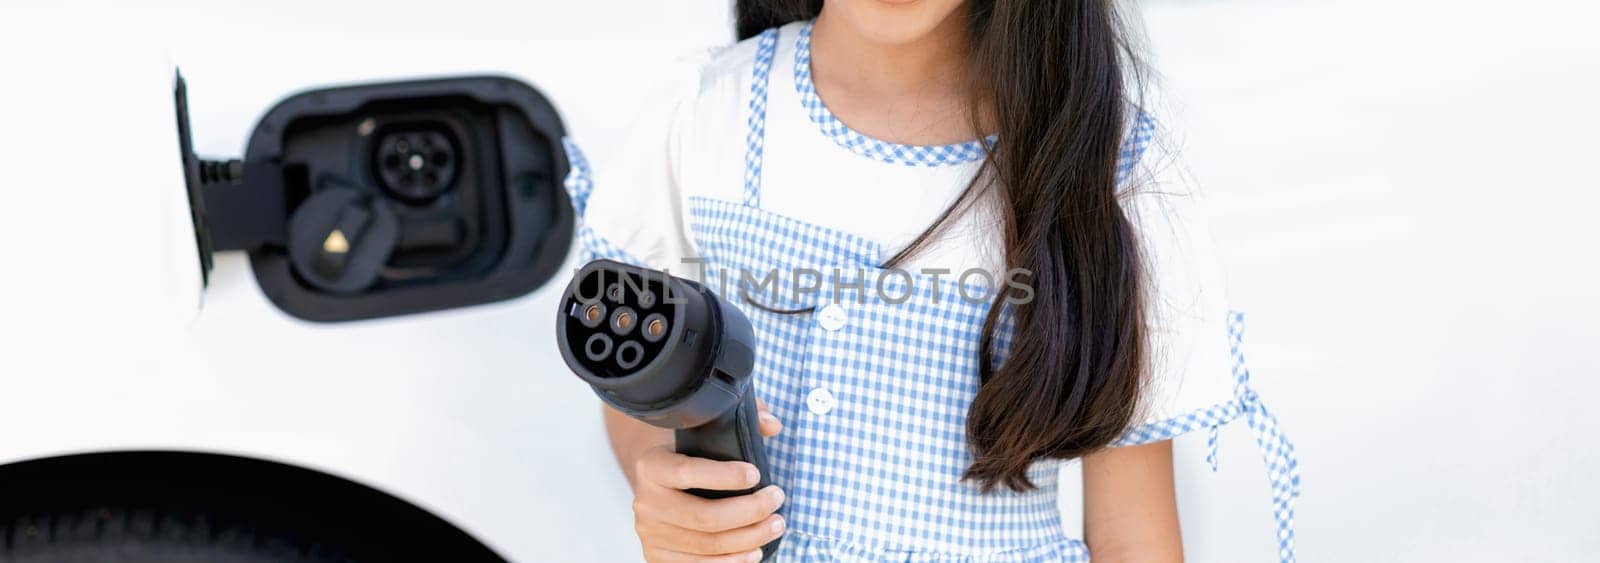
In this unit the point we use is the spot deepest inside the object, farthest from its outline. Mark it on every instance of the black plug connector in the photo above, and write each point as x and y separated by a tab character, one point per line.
686	365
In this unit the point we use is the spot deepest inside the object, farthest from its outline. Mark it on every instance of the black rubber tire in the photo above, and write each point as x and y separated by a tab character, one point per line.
141	535
159	507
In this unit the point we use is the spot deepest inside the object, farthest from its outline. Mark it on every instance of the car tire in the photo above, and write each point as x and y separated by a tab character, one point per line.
176	507
126	534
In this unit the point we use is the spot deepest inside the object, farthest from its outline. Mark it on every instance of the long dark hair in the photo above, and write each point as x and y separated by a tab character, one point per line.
1060	80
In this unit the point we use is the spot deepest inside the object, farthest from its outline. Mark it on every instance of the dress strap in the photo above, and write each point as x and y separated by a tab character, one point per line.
1283	466
580	184
756	124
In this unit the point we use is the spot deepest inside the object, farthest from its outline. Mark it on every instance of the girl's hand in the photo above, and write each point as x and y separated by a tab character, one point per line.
676	526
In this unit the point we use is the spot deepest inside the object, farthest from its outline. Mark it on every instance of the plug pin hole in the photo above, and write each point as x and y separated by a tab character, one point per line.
598	347
655	327
629	354
593	314
622	321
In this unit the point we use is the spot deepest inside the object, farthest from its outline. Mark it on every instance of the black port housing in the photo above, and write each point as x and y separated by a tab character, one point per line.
375	200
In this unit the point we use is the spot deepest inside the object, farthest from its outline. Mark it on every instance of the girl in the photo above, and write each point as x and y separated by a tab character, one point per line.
966	263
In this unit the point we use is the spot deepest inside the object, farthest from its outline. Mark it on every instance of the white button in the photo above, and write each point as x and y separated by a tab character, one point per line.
820	400
831	317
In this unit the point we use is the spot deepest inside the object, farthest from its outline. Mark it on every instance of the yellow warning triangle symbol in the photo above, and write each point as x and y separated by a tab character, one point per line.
336	243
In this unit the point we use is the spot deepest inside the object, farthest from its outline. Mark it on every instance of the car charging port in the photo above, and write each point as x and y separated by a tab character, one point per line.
384	199
416	165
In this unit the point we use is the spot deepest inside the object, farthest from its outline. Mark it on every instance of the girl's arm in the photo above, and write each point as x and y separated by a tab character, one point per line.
1130	512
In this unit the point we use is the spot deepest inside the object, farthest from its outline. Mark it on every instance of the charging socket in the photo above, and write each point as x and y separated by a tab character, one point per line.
383	199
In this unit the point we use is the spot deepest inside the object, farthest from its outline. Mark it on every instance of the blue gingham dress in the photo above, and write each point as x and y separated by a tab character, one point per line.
873	386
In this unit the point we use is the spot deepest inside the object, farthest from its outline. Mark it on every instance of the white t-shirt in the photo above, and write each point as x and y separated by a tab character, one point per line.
691	142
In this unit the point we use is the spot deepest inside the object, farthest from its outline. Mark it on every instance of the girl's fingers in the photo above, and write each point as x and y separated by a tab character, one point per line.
657	555
663	467
735	541
708	515
770	426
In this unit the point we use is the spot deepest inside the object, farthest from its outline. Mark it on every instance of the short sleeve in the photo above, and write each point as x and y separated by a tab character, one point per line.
1197	374
1190	369
630	206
